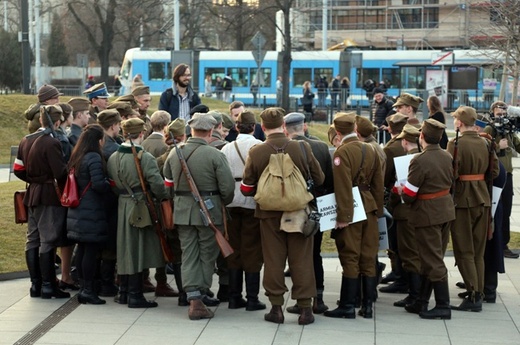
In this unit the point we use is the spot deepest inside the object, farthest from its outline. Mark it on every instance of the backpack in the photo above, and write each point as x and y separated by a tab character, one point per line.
70	196
281	186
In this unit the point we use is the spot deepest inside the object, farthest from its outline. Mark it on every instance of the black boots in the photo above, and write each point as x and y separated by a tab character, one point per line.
107	273
32	258
414	282
183	299
135	292
369	289
122	296
472	302
318	306
49	285
236	282
421	303
88	295
252	291
442	309
347	299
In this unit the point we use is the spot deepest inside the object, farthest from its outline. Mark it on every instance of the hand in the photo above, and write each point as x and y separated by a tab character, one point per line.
341	225
503	144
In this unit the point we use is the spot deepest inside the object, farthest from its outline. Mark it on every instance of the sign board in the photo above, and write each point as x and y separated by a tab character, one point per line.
258	40
259	56
443	58
82	60
327	207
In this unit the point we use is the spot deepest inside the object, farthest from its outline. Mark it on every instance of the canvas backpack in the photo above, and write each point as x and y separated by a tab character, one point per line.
281	186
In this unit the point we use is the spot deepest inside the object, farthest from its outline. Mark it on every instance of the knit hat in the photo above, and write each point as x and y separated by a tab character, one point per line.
410	133
47	92
433	128
132	126
108	117
345	122
202	121
177	127
466	115
378	90
246	117
79	104
272	117
364	126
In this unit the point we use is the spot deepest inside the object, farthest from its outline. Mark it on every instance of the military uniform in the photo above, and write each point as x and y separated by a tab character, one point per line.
155	144
472	201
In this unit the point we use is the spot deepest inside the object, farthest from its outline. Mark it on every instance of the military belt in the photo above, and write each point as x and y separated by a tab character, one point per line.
476	177
134	190
188	193
430	196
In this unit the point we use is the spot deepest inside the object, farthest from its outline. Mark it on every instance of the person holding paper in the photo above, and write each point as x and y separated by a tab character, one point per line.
427	190
356	164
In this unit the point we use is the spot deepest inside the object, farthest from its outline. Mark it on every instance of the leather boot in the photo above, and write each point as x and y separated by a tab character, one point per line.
252	291
472	302
49	284
421	303
306	316
318	306
183	298
442	309
223	293
107	272
369	288
164	289
122	296
400	285
236	282
88	295
490	285
147	283
198	310
347	299
414	283
275	315
32	258
135	293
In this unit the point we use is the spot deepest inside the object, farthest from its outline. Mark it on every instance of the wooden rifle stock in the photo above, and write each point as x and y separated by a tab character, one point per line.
223	244
489	179
166	250
455	163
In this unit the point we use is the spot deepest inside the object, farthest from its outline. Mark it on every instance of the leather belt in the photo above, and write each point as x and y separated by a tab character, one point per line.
430	196
188	193
476	177
134	190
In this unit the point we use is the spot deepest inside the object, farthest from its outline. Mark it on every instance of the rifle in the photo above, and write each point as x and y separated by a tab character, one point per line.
166	250
455	164
489	179
225	247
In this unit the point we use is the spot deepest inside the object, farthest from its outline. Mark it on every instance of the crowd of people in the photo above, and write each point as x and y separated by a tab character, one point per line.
211	165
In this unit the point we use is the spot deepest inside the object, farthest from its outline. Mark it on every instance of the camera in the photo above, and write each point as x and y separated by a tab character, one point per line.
509	123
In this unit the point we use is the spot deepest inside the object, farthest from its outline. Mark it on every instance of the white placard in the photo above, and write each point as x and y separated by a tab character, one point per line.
497	191
402	163
383	233
327	207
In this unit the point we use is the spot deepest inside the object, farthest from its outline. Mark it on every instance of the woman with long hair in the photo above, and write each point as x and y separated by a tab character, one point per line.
308	98
437	113
87	224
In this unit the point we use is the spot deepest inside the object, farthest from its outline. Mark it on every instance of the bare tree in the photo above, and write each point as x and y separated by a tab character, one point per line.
502	35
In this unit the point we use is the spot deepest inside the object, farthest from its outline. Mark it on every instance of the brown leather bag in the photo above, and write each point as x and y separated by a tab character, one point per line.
167	214
20	210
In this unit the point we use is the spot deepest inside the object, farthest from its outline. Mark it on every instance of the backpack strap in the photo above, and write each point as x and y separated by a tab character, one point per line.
239	154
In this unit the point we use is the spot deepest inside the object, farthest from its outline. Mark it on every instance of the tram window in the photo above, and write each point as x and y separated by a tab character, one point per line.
214	73
391	77
363	74
301	75
239	76
169	71
413	77
265	76
463	78
156	71
323	72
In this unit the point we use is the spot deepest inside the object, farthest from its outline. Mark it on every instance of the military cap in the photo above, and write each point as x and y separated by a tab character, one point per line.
128	99
54	111
141	90
108	117
433	128
466	115
79	104
200	108
331	134
407	99
272	117
497	104
177	127
47	92
396	122
97	91
365	127
216	115
414	122
294	119
246	117
345	122
202	121
227	122
409	132
132	126
124	109
66	108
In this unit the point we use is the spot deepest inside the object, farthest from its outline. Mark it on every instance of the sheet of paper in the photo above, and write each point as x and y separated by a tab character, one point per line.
402	163
327	207
496	198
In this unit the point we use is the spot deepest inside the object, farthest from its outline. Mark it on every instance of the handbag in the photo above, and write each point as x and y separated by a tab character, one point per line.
70	196
167	214
20	209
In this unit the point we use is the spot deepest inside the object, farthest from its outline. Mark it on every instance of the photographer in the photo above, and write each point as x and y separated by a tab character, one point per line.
502	129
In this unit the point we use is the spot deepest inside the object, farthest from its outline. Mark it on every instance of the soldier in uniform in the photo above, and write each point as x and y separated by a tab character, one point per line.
217	138
408	105
393	149
98	97
365	131
40	163
243	227
155	143
356	164
427	191
143	98
138	246
81	118
47	95
212	175
411	264
279	246
472	202
295	129
128	99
